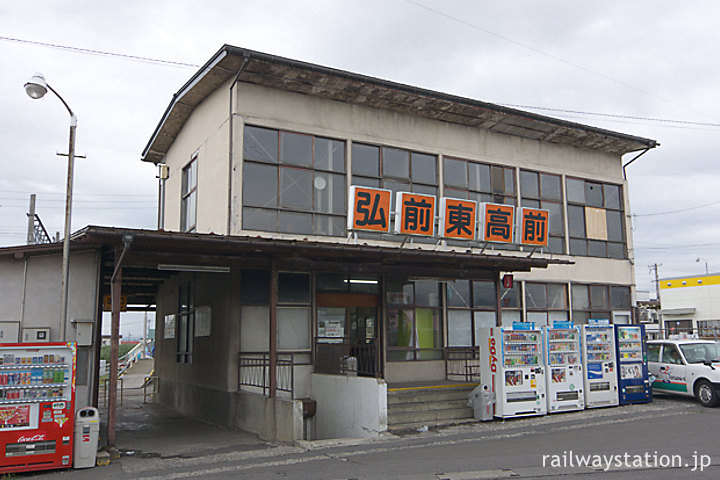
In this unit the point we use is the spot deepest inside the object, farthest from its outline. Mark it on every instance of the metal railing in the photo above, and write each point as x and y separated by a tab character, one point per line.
462	363
104	391
337	356
151	384
254	371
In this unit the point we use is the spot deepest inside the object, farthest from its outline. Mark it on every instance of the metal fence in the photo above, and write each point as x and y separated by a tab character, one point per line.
337	356
254	371
462	364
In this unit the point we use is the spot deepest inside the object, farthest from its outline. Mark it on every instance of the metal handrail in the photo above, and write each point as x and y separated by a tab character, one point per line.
253	371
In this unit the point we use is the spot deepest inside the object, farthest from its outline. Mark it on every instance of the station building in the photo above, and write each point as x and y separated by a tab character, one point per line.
302	290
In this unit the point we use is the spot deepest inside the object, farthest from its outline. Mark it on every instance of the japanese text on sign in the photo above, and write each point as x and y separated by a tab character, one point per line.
458	218
415	214
533	226
496	223
369	209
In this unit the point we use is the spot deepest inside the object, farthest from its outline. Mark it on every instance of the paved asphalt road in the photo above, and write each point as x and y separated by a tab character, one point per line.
666	439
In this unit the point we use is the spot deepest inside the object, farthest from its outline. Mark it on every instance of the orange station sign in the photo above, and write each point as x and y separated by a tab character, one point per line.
533	226
369	209
497	223
458	218
415	214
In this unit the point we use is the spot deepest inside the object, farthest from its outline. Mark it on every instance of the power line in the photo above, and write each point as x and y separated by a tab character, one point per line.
101	52
675	211
549	55
611	115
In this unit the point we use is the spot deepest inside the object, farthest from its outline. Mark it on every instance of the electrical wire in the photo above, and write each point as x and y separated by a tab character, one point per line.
554	57
102	53
675	211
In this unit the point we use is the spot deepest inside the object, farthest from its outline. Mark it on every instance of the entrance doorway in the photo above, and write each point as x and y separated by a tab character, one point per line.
348	325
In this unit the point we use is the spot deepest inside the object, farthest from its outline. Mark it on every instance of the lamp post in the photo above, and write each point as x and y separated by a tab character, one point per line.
36	88
697	260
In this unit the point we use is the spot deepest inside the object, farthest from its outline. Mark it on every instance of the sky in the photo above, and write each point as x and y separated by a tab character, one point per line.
645	68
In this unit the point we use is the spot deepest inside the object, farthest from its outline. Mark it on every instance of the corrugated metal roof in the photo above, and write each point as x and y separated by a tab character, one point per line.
301	77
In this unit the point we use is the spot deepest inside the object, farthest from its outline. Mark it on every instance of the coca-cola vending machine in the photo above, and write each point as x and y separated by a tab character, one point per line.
37	406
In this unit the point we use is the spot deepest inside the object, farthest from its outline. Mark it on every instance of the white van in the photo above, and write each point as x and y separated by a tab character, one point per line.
688	367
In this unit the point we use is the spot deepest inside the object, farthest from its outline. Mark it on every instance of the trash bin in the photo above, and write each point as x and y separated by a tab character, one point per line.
482	401
87	431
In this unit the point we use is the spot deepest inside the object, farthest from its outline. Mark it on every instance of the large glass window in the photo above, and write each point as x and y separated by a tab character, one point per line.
413	319
395	169
546	302
598	301
543	190
479	181
471	306
293	183
188	208
595	219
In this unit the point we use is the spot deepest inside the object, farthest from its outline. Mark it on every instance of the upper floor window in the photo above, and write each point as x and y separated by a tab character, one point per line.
595	218
293	183
543	190
479	181
395	169
188	210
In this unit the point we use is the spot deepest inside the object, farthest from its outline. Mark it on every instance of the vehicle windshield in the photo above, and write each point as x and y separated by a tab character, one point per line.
700	352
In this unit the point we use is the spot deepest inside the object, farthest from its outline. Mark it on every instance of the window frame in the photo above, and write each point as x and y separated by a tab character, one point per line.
187	195
600	199
311	218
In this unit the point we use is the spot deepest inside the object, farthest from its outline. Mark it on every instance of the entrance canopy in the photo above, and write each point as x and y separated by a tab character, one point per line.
151	257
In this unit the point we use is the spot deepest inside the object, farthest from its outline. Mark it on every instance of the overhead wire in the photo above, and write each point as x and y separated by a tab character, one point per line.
554	57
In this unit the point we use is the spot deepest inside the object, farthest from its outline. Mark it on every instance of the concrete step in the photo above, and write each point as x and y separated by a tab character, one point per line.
447	415
429	394
432	406
423	406
417	426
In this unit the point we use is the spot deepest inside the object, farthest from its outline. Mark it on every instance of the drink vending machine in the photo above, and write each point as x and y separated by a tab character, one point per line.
37	406
633	383
512	367
601	380
564	374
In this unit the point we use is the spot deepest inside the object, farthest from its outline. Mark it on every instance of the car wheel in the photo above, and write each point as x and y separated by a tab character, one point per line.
706	394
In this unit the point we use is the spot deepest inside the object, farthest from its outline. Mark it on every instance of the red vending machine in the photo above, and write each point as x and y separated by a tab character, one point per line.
37	406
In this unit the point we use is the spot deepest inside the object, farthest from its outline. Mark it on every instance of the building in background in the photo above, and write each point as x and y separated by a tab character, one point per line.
691	305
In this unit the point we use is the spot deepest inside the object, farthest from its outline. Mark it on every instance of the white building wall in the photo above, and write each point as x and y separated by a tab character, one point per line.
30	297
206	134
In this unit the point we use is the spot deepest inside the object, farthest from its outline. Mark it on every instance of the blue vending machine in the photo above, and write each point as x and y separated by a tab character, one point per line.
633	383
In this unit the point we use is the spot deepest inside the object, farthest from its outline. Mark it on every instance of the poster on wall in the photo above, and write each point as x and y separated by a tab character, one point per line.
202	321
169	326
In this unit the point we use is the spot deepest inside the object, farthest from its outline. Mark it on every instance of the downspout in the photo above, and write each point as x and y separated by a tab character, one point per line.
231	153
115	293
631	161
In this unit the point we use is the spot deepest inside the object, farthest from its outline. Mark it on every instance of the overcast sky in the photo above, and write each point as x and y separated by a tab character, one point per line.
646	68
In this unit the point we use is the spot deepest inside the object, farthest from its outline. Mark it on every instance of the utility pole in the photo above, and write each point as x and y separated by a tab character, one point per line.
31	221
654	267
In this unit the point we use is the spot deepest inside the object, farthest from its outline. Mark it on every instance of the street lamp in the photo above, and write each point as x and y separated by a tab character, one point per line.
36	88
703	260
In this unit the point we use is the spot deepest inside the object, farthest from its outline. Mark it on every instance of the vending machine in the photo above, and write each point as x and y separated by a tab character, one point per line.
564	369
632	372
512	367
601	385
37	406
